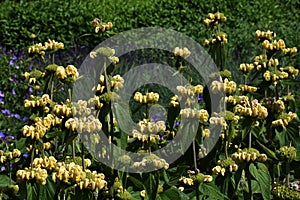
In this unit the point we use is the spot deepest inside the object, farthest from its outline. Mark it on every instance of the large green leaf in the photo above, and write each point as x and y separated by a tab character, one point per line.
172	194
211	192
262	176
151	182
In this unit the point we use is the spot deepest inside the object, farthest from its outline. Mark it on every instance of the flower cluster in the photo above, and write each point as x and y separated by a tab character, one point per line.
185	52
285	192
216	38
195	178
225	165
290	51
290	69
215	19
99	25
9	155
64	110
287	153
247	88
251	109
68	74
262	35
219	121
151	160
235	99
33	77
147	98
36	131
88	124
40	49
246	68
120	191
38	174
34	101
260	62
189	113
275	75
248	155
107	52
46	163
284	119
49	120
174	101
275	45
146	128
228	86
190	90
73	174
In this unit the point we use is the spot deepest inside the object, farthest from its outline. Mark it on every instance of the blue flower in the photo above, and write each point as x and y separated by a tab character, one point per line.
5	111
17	116
13	92
1	94
200	98
2	135
11	63
25	155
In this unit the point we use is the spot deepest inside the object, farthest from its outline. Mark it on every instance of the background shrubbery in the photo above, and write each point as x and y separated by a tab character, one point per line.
69	22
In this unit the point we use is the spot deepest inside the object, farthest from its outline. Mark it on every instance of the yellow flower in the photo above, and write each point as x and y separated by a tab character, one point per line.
143	193
61	72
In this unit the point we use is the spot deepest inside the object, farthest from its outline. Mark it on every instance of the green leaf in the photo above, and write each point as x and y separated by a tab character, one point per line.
255	187
211	191
4	181
268	151
151	182
264	180
172	194
136	182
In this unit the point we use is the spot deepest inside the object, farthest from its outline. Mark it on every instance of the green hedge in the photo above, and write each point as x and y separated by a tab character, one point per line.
70	21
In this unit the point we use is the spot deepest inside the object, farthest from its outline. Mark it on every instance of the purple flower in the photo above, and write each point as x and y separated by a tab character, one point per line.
11	63
11	165
1	101
177	124
5	111
2	168
62	89
200	98
1	94
14	57
30	90
17	116
25	119
13	92
25	155
11	137
2	135
17	67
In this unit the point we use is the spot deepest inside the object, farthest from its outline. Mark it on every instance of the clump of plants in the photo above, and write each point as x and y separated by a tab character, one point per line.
257	146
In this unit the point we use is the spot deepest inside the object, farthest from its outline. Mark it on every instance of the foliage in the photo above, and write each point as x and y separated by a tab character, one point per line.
258	145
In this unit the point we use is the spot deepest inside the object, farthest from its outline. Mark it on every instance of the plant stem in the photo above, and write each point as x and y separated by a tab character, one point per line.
288	173
226	143
82	157
250	139
32	155
195	158
73	149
